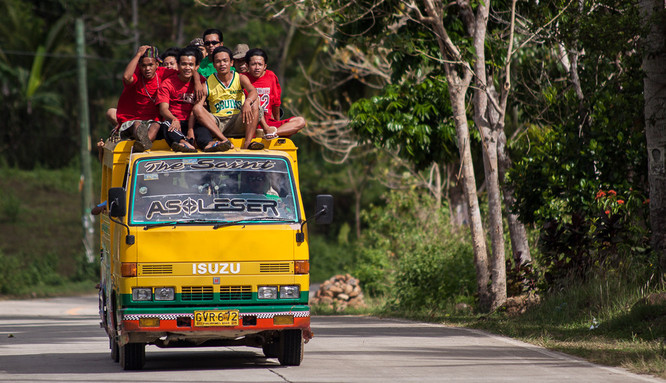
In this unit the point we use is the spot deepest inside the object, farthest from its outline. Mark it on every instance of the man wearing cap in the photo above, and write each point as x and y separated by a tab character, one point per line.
212	38
137	113
239	58
199	44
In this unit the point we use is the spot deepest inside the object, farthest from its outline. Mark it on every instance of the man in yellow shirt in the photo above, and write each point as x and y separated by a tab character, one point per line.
231	113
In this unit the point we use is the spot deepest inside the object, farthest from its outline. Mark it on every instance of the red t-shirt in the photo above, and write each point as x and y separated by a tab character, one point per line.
269	91
137	102
179	95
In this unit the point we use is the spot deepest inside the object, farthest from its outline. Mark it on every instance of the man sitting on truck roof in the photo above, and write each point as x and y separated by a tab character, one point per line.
270	92
231	112
176	98
137	114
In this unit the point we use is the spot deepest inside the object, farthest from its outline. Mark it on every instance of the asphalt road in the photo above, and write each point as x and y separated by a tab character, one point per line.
53	340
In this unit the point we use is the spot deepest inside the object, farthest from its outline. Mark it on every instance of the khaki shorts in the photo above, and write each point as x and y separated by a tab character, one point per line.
231	126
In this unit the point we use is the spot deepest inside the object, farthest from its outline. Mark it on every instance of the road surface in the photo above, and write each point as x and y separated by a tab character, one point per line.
59	340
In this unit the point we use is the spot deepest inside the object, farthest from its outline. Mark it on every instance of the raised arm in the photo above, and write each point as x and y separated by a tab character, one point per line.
128	75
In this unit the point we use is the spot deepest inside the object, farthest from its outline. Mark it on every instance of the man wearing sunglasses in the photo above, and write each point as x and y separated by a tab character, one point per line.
212	38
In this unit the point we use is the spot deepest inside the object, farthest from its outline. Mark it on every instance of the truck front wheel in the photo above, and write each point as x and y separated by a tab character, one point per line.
291	348
132	356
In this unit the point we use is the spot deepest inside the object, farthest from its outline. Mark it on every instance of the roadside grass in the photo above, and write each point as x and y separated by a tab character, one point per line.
605	321
41	251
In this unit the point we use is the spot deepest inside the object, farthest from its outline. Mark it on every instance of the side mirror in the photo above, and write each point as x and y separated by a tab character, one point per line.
324	209
116	202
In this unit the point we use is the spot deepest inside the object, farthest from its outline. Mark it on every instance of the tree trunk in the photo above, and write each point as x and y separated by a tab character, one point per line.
489	141
517	232
495	224
454	194
457	95
654	65
459	77
284	54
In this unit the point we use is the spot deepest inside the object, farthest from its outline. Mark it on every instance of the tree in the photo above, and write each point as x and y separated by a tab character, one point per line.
653	14
31	88
458	34
580	92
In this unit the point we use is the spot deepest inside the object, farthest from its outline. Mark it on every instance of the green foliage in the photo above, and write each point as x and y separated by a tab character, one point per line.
412	118
42	246
588	142
10	207
19	273
37	121
409	253
432	275
328	258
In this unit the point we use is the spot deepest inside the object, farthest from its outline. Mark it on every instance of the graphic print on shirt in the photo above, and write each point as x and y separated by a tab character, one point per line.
264	98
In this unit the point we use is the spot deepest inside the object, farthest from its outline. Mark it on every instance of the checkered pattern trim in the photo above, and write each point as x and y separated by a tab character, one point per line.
160	316
296	314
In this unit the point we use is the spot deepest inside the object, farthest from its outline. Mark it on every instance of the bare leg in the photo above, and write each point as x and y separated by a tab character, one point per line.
111	116
251	126
153	130
206	119
292	127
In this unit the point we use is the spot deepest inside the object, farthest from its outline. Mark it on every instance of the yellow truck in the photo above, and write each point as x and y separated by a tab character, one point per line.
205	249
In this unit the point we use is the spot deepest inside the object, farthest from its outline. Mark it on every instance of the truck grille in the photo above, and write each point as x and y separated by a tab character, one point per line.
156	269
274	268
231	293
197	293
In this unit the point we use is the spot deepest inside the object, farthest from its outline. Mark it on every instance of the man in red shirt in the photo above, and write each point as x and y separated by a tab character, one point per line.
268	88
137	114
175	100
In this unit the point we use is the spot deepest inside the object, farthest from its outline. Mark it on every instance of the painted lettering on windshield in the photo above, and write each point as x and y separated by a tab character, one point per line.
164	166
190	206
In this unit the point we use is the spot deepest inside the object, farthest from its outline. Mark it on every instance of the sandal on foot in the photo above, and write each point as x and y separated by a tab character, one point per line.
255	145
272	135
219	147
178	147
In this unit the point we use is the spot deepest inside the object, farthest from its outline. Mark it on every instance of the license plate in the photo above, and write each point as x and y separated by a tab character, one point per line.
216	318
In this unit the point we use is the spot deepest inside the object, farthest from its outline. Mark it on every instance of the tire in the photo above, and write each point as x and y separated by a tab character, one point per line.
132	356
291	348
115	352
271	350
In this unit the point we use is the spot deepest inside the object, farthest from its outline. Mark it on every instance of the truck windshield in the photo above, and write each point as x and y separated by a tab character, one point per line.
212	190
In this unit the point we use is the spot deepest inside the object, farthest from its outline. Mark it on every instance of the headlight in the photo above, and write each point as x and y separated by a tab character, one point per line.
267	292
142	294
164	294
290	292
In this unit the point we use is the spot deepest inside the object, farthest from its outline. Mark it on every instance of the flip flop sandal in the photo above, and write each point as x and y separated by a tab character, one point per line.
255	145
178	147
219	147
270	136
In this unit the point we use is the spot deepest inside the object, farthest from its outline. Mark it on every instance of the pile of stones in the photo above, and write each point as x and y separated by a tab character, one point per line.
339	292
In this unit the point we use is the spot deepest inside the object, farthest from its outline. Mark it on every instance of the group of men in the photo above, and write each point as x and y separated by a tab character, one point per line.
199	96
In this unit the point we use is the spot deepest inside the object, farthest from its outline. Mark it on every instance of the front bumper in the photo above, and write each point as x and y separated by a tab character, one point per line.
178	323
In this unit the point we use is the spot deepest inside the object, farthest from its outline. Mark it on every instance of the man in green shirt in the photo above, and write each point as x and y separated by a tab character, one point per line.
212	39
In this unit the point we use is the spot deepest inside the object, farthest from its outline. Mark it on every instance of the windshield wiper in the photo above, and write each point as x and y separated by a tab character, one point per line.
181	222
245	220
230	223
272	219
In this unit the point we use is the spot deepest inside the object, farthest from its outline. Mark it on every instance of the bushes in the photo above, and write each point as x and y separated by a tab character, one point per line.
18	274
410	255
